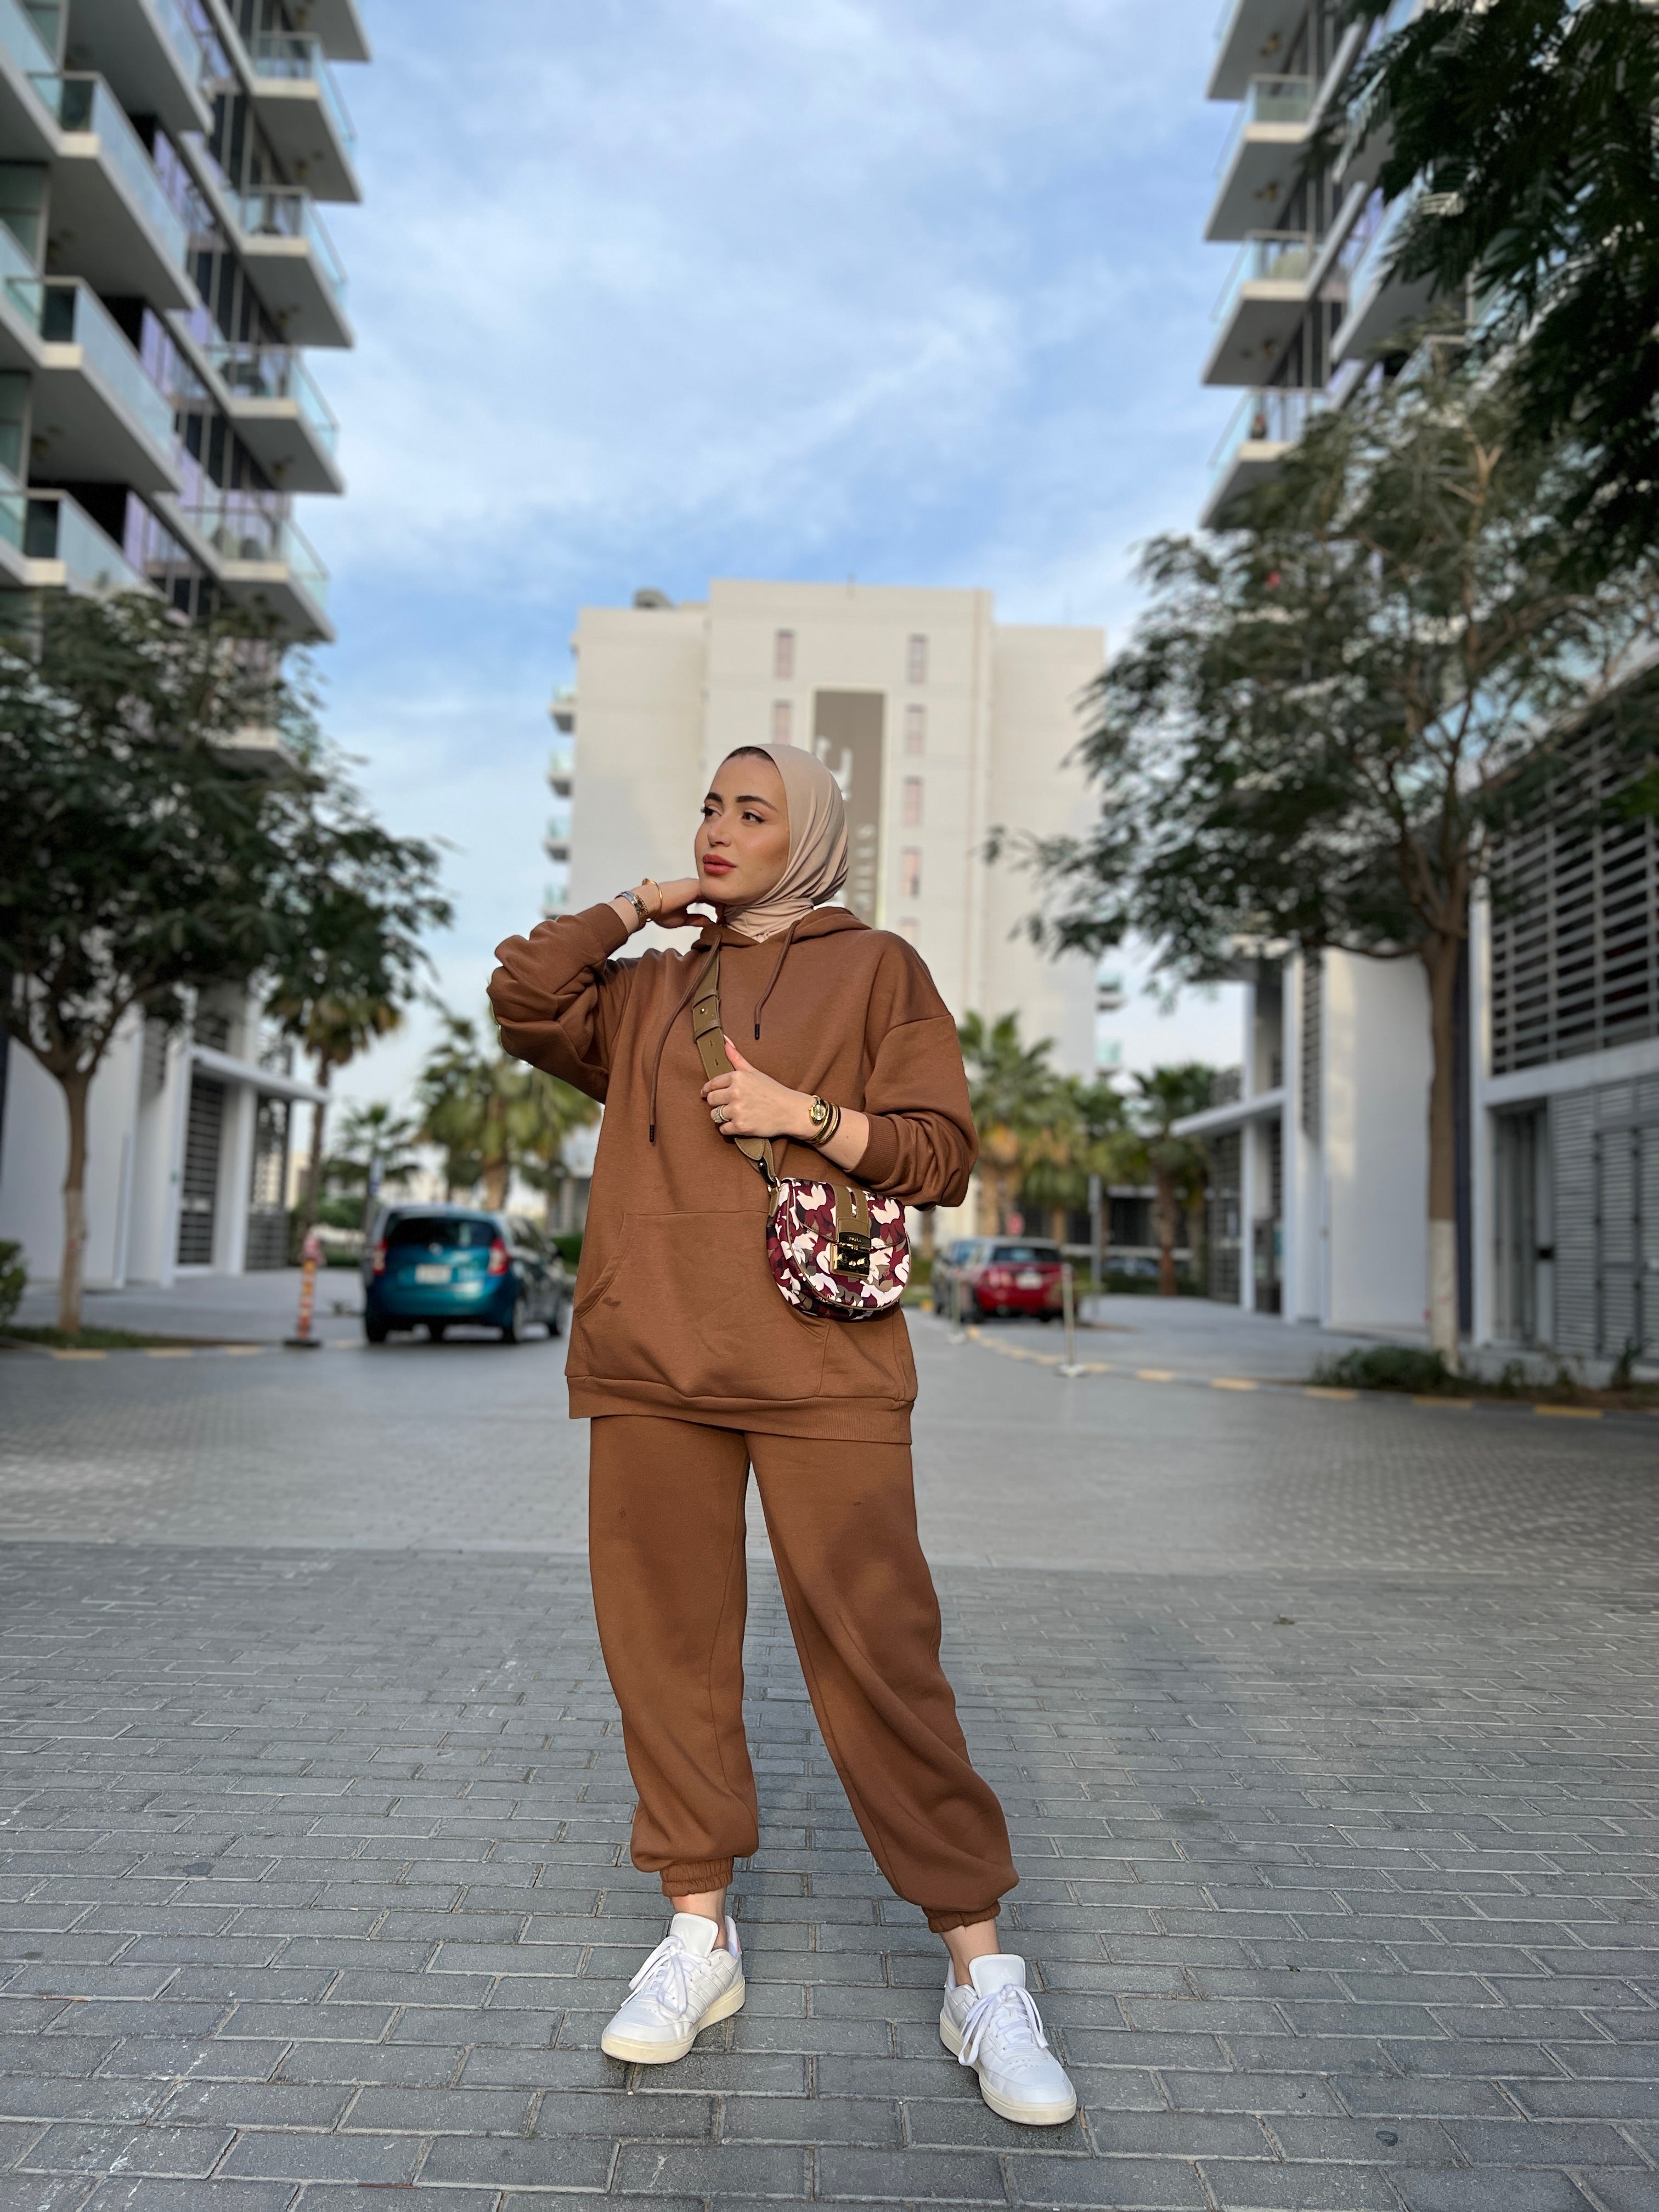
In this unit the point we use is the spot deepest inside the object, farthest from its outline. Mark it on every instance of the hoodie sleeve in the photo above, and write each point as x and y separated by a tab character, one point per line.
560	997
922	1145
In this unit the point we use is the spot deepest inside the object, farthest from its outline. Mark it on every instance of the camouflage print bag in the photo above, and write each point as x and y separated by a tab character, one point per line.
834	1250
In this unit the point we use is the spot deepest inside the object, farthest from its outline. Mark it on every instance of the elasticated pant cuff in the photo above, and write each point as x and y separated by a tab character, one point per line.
942	1922
693	1877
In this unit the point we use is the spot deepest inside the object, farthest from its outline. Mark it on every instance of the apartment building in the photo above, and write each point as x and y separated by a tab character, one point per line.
164	270
940	723
1320	1154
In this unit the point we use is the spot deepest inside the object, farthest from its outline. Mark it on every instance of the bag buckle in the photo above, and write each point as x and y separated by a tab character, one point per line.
852	1253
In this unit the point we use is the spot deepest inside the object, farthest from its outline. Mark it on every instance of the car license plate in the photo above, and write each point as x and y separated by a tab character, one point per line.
1029	1281
426	1274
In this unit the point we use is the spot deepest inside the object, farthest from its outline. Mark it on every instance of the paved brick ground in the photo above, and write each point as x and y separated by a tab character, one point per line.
1337	1842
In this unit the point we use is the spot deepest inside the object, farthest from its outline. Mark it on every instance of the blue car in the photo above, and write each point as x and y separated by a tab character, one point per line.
436	1266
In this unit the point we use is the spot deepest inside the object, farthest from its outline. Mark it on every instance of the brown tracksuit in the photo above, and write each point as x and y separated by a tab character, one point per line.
693	1369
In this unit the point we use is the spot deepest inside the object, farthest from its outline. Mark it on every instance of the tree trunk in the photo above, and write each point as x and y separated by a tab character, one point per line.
312	1191
497	1174
1164	1213
1057	1224
71	1276
1197	1256
1440	957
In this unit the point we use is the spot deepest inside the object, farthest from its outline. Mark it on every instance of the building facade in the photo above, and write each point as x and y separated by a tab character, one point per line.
1319	1192
941	725
164	269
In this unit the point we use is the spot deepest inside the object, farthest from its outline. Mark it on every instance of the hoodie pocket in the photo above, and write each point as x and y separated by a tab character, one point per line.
690	1306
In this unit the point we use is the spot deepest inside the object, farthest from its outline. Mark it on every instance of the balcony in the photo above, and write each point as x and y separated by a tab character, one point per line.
1253	35
280	414
97	415
48	542
1381	306
1265	425
336	26
262	560
29	95
1265	297
148	52
1259	164
112	222
293	266
303	115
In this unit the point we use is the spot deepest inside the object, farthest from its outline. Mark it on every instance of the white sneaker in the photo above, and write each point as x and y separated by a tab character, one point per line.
993	2026
685	1986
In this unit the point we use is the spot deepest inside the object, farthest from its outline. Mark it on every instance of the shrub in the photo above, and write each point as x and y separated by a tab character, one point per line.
568	1246
14	1279
1389	1367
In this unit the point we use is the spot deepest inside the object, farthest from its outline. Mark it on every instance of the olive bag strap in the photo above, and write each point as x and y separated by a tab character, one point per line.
709	1027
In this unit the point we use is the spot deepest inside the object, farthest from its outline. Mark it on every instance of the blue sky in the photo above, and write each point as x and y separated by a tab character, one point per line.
907	289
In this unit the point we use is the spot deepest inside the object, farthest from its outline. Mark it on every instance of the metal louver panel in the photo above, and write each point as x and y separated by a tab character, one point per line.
1573	1141
1575	932
199	1191
1312	1047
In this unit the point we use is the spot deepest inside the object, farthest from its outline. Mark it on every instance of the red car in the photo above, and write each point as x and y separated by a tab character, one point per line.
1011	1275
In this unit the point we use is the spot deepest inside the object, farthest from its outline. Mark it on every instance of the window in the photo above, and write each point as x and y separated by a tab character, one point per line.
910	873
915	731
909	930
912	814
915	661
783	656
783	723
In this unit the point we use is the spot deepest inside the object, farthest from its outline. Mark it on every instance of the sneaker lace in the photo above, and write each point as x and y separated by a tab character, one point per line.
1010	2012
662	1978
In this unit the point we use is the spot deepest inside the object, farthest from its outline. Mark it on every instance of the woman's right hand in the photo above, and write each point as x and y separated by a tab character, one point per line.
677	896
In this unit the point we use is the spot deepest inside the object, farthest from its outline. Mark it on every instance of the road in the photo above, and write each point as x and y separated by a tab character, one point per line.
1326	1730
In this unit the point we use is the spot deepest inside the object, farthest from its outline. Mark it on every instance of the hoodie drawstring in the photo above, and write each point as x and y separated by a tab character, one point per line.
777	970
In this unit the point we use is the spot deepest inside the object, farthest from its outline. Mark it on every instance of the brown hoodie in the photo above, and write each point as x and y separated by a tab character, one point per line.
676	1309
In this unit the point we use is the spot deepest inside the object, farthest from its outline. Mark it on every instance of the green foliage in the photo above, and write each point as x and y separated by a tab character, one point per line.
1531	127
368	1133
492	1117
14	1280
1389	1367
567	1244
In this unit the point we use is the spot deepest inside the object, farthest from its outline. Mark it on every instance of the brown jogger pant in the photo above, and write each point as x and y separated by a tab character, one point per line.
666	1523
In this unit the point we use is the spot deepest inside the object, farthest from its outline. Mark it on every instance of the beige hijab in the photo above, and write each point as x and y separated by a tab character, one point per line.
817	866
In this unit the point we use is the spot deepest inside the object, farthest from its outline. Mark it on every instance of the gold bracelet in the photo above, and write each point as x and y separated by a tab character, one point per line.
826	1120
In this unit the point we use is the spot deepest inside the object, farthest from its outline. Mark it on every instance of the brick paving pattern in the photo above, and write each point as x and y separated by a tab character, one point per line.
1338	1874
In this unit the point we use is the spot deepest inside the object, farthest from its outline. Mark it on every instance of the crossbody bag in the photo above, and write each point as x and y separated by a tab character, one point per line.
835	1249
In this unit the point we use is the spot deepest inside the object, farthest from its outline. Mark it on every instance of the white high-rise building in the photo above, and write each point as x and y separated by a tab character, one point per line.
943	726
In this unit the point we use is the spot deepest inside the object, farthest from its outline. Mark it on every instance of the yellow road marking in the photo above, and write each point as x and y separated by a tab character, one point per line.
79	1353
1154	1375
1569	1412
241	1351
168	1352
1323	1390
1450	1405
1232	1383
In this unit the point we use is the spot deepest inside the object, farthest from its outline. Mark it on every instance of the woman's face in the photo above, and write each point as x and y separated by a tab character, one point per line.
743	846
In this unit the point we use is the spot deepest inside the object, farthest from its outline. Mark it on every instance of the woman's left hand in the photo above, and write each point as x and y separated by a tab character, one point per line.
747	1104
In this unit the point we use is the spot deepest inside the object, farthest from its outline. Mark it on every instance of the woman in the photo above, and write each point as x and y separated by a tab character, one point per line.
693	1369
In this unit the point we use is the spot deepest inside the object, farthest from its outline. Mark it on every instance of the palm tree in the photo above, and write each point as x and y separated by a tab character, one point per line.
490	1114
370	1134
1016	1097
1176	1167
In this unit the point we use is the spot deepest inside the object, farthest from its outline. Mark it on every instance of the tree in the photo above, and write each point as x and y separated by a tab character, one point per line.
1079	1137
1320	720
1178	1168
490	1114
1015	1096
1531	127
372	1136
139	863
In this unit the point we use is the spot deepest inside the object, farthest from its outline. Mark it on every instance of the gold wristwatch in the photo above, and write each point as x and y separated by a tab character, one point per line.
821	1115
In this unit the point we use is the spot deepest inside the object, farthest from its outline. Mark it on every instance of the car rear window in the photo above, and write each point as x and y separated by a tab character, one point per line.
1027	1253
448	1230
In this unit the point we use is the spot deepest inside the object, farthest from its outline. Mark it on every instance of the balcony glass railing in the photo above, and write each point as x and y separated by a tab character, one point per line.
281	212
183	36
1268	99
50	527
85	103
1273	416
1368	248
239	528
292	57
73	314
21	40
1267	257
255	372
